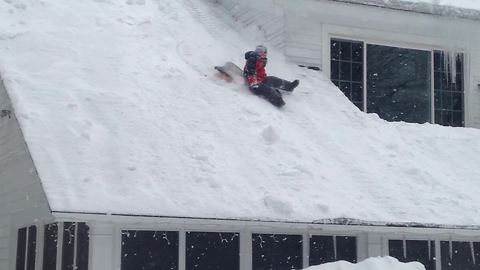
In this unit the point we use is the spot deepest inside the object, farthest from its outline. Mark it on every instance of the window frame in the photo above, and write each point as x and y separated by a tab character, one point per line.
26	258
330	35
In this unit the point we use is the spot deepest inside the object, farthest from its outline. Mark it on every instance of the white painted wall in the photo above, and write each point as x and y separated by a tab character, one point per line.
4	243
22	200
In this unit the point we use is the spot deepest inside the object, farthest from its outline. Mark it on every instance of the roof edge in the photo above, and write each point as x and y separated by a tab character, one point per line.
343	221
419	7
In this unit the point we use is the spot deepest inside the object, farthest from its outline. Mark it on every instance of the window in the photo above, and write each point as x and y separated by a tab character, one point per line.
212	251
324	249
347	69
26	248
149	250
399	83
449	90
414	250
276	251
75	246
460	255
50	247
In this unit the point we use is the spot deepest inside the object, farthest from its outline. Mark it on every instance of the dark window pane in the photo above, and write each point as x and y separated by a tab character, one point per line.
359	105
335	49
321	250
459	63
149	250
335	70
447	100
447	118
446	81
31	248
357	72
438	100
345	71
346	51
457	119
458	256
396	250
437	81
68	245
212	251
83	240
399	83
449	97
457	100
357	92
276	252
346	89
459	82
414	251
50	247
349	69
21	248
357	51
438	116
438	61
347	248
421	251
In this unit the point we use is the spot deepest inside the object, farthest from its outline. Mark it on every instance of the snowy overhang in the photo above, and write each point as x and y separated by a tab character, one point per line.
419	7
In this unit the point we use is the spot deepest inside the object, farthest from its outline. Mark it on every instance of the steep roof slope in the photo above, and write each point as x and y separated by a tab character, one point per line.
123	114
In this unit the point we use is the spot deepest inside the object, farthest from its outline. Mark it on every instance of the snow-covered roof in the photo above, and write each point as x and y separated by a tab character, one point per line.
123	114
467	9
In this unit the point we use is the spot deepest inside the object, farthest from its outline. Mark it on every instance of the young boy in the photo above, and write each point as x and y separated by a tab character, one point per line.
258	81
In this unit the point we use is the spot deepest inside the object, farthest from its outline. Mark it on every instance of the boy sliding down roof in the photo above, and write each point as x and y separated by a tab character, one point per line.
258	81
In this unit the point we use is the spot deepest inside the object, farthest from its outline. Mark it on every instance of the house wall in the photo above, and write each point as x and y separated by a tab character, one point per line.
309	25
4	243
22	200
267	17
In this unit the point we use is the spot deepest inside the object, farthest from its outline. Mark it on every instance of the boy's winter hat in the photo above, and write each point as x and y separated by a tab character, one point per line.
260	49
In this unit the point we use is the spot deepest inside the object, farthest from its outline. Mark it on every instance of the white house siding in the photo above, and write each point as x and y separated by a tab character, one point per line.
269	19
303	41
4	243
22	200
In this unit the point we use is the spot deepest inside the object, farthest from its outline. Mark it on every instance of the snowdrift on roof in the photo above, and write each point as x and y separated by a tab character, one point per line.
375	263
123	113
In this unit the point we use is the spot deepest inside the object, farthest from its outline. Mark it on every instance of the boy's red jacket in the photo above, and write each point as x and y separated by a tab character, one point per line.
254	70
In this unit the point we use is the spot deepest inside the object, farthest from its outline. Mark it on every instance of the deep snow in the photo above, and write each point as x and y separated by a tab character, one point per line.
123	113
376	263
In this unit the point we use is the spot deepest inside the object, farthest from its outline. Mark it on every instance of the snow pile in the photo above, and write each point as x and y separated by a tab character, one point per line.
123	113
467	4
376	263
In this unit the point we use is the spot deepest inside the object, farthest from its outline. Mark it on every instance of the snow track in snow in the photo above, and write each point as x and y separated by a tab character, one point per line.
122	113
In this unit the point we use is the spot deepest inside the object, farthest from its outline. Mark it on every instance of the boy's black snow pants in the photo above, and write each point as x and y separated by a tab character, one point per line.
270	87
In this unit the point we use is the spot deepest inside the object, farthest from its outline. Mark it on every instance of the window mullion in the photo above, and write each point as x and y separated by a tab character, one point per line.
60	233
75	243
25	263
